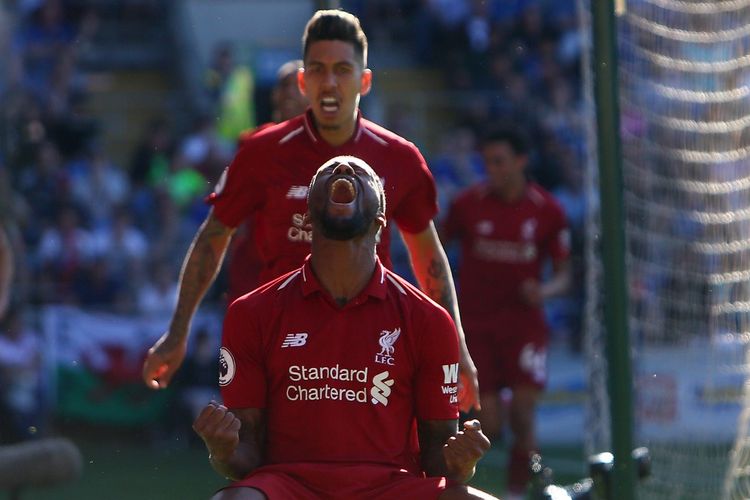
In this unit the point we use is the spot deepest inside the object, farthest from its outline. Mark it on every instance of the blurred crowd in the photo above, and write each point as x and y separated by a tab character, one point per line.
90	232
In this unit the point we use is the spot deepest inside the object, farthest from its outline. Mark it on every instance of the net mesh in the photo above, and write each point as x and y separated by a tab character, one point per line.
685	130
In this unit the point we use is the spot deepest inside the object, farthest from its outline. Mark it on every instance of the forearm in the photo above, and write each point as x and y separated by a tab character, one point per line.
559	283
432	437
199	270
243	460
446	452
432	271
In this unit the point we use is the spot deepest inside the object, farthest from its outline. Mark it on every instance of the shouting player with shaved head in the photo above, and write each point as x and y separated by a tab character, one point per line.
340	378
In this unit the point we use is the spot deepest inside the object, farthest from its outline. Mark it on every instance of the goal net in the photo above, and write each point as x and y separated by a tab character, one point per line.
685	131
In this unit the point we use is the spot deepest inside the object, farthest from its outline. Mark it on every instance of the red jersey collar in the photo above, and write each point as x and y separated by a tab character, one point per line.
376	287
312	130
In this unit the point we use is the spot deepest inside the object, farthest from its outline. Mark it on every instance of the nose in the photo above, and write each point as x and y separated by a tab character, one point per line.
343	169
329	80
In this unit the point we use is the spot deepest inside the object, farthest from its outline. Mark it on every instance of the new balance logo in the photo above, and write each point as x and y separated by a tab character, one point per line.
297	192
450	374
294	340
381	388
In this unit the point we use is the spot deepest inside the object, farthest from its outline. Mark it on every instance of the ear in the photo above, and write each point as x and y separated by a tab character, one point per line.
381	220
301	80
366	81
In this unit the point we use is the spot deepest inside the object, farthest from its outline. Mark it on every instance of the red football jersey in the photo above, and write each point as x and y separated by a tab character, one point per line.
272	171
503	244
341	384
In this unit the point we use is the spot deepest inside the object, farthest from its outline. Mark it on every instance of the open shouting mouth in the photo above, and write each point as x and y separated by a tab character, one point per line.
342	195
342	191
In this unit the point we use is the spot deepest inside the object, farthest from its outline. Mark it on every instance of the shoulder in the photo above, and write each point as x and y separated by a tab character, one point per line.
247	134
543	198
273	133
268	294
371	131
470	195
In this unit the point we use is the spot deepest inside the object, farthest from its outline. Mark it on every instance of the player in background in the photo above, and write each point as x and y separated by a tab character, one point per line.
245	265
509	228
346	349
268	180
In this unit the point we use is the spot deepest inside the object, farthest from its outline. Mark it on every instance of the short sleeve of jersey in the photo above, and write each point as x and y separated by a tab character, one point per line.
242	376
239	190
436	386
419	204
559	244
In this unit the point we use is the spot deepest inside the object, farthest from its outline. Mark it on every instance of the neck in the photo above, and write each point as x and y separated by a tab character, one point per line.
510	192
338	134
343	268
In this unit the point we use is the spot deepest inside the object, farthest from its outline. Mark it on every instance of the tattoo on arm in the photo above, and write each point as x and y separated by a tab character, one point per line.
438	285
201	266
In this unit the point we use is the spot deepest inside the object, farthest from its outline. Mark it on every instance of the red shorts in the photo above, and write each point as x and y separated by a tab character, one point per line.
326	481
508	351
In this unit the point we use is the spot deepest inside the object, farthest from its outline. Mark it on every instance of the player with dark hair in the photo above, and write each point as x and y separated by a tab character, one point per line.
508	228
340	378
268	180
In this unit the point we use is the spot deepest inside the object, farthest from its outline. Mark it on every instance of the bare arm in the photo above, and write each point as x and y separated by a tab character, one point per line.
445	451
199	270
234	439
431	268
535	293
6	271
559	284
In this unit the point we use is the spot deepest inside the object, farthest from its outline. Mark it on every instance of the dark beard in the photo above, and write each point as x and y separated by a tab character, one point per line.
343	229
346	229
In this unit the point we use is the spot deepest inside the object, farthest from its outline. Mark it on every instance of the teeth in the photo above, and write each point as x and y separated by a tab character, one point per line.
329	104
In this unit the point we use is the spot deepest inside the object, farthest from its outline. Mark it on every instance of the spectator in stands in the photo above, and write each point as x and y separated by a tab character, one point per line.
457	164
46	182
43	39
65	251
14	261
97	287
7	262
21	381
122	245
203	149
230	86
157	295
572	197
98	185
152	154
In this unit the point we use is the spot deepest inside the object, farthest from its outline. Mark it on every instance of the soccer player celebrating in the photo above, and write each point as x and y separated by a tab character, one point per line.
268	179
508	228
340	378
